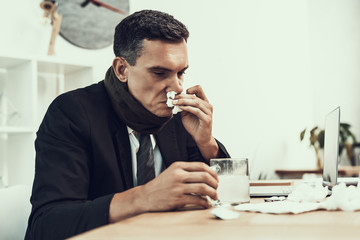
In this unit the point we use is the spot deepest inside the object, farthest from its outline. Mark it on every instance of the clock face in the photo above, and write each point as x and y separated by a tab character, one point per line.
92	26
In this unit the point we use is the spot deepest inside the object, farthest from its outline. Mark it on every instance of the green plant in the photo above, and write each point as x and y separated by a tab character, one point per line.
346	139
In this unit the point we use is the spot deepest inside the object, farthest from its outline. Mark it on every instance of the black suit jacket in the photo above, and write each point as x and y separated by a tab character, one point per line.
83	157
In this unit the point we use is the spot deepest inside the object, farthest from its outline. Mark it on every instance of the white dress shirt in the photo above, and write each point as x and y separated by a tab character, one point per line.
134	144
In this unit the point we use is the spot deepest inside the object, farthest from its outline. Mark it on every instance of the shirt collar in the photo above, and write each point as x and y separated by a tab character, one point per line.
136	135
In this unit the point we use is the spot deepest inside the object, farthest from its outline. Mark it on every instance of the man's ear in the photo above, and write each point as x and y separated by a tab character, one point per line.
120	67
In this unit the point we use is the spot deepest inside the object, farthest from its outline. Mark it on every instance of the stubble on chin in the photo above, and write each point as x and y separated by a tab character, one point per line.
163	112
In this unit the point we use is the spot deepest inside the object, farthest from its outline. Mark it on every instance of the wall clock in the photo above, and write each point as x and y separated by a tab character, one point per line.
90	24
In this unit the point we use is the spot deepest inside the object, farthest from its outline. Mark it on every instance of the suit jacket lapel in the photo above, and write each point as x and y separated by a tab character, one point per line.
123	154
168	143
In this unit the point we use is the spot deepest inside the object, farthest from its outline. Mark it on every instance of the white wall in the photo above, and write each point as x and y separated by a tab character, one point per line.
334	36
264	64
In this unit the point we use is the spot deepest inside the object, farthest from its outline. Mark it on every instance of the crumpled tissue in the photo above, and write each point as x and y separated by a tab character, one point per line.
306	192
307	198
170	96
343	198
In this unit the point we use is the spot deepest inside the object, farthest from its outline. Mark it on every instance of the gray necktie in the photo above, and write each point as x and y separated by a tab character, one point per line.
145	160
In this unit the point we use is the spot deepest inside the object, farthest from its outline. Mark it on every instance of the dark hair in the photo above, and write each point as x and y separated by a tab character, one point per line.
146	24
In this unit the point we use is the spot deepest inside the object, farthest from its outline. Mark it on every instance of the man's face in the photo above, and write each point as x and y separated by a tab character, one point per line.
159	69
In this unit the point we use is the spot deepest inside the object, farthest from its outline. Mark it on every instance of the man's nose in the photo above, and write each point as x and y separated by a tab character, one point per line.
176	85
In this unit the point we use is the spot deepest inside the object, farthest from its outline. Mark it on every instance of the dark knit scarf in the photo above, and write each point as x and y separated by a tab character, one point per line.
130	110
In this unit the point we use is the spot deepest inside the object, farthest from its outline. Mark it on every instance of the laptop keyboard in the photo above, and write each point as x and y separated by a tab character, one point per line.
270	190
287	189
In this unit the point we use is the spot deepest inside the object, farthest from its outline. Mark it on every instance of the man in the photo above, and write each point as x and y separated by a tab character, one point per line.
87	147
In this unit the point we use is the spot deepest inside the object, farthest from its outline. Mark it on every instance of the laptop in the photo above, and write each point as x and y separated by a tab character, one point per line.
331	150
330	168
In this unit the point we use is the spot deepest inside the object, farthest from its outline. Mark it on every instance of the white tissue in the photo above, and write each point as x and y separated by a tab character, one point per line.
308	193
307	198
170	96
343	198
224	213
278	207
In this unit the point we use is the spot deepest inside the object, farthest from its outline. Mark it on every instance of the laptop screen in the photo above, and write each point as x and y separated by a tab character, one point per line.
331	148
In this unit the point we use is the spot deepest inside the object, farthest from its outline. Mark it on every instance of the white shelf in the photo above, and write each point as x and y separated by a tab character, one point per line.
60	68
11	130
30	85
9	62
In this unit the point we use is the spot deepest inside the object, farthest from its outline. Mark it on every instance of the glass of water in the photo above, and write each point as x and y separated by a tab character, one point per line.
233	174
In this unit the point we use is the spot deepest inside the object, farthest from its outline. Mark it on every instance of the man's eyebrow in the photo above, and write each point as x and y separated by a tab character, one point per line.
159	68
